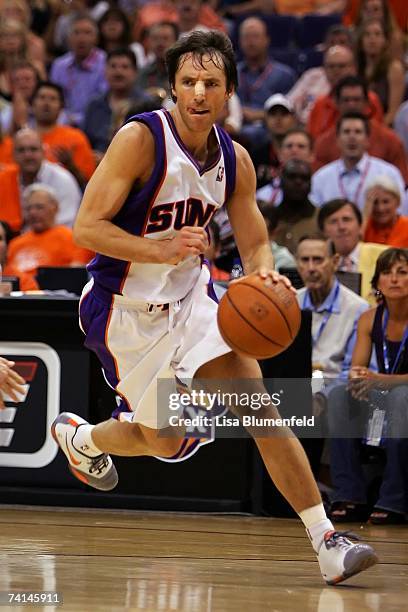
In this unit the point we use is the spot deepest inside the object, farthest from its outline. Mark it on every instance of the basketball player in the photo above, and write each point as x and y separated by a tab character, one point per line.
147	313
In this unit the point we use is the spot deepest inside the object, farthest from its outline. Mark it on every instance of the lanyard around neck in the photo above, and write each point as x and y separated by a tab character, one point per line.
388	369
359	186
327	315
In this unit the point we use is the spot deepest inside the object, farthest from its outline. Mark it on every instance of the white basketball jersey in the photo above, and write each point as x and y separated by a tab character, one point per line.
179	192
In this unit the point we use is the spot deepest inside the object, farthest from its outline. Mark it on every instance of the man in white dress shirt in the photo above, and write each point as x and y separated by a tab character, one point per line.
349	176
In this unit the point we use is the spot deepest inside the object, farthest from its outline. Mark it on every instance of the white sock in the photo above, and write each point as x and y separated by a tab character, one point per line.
82	441
316	523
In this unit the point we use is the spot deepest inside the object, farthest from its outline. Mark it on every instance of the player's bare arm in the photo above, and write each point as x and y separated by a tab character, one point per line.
129	158
249	227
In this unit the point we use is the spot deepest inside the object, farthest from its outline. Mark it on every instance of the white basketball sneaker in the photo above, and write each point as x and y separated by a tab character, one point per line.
98	472
340	559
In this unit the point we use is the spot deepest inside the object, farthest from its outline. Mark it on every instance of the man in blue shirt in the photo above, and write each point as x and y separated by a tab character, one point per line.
105	113
259	75
349	176
81	71
336	309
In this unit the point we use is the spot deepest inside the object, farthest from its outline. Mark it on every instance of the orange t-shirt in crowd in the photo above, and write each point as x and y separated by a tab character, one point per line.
163	10
398	7
394	236
54	247
10	209
59	136
325	114
27	280
75	141
297	7
6	151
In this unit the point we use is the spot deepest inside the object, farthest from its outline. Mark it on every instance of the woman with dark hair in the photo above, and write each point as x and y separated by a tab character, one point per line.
385	75
380	9
114	30
115	33
383	395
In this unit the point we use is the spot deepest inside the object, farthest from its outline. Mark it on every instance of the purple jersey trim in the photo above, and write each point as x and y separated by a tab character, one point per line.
109	272
201	170
210	286
230	162
95	318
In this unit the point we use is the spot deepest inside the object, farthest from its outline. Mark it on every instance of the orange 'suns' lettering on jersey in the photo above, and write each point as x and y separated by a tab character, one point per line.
191	212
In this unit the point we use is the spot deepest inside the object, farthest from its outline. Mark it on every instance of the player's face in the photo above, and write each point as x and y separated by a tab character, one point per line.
343	229
201	91
315	264
393	283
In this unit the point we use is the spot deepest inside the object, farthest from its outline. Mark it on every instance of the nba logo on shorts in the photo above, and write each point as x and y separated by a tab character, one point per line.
220	174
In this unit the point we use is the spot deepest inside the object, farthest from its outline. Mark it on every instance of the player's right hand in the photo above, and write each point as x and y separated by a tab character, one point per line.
188	242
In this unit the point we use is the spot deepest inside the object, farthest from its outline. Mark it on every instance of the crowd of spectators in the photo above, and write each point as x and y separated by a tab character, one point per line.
322	107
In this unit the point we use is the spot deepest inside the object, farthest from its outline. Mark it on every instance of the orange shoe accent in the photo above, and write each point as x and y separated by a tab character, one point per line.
79	475
72	422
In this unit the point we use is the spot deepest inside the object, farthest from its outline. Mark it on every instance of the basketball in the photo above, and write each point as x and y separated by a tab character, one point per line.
257	320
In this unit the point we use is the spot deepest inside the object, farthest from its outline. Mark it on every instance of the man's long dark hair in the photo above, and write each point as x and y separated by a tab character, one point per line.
214	44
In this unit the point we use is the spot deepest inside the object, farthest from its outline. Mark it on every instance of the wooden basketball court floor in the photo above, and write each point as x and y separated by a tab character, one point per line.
114	560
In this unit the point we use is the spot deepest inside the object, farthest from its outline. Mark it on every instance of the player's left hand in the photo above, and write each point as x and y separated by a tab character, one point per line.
272	276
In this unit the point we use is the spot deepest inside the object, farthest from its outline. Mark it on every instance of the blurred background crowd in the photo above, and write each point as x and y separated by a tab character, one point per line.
322	108
72	71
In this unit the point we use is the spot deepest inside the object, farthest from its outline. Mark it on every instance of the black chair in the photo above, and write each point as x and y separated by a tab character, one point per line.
352	280
309	58
294	363
311	30
289	57
293	276
59	278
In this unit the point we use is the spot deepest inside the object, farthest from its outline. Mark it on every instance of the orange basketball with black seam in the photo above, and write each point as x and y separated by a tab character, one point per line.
257	320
